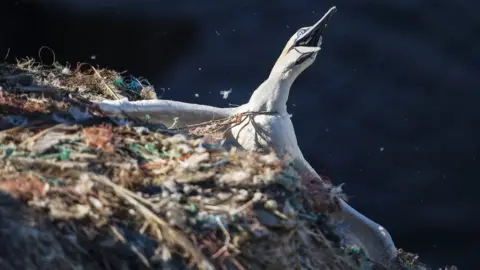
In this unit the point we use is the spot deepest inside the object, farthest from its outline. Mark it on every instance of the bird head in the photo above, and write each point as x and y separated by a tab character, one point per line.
302	48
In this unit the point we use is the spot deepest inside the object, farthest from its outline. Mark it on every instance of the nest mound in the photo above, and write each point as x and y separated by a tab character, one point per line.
86	191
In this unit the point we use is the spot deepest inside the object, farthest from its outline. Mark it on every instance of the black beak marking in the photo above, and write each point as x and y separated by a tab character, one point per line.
313	35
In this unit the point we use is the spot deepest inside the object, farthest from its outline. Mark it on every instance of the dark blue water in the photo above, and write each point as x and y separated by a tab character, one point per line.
390	107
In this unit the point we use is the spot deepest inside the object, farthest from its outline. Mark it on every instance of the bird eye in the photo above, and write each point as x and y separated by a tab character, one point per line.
301	32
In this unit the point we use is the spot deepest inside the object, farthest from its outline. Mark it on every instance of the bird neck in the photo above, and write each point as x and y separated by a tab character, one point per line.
272	94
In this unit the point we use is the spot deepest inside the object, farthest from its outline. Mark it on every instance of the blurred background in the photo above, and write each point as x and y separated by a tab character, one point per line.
390	107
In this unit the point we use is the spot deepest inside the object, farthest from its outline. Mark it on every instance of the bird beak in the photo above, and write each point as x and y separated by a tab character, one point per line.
313	36
309	43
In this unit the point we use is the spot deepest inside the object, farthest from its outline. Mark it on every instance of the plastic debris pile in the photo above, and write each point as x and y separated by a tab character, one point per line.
102	193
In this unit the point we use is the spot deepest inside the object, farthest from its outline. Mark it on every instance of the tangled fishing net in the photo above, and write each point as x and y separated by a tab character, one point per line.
84	191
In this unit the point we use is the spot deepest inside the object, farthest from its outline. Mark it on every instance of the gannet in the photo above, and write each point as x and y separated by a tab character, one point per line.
272	128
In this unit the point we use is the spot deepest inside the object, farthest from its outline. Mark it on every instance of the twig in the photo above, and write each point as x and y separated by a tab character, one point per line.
175	122
205	123
6	55
175	236
231	118
104	83
242	207
227	243
144	227
237	121
133	248
32	139
12	130
237	264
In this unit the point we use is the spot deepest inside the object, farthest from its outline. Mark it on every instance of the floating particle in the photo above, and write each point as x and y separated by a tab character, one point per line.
226	93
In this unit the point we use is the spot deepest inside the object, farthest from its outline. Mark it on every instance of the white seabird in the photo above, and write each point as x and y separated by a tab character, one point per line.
271	128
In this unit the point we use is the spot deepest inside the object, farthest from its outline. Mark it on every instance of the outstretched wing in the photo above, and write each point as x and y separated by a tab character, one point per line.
357	228
166	112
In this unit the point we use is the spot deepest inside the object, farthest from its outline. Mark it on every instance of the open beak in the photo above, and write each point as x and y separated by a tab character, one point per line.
313	36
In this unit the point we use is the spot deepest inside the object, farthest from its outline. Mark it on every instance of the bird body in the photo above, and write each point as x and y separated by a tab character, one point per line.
264	131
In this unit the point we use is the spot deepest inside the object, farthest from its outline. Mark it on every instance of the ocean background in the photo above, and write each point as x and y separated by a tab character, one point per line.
390	107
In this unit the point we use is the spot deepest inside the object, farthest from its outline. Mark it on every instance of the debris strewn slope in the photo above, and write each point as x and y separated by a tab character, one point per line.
86	191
